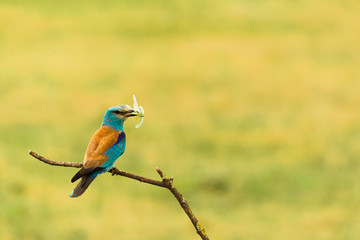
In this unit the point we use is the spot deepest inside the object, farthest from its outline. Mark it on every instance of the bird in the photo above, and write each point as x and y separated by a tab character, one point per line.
105	146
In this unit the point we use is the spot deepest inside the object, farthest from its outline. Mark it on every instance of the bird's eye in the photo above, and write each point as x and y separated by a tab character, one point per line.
116	111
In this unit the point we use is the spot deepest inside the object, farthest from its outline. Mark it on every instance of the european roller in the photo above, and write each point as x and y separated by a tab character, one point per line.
106	145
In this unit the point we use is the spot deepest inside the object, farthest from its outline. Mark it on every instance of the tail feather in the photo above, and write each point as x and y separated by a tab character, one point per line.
85	171
82	186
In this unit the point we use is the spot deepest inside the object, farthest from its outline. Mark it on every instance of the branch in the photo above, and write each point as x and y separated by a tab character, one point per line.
165	183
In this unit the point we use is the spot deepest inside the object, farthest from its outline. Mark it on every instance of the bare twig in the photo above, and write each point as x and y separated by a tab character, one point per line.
165	183
55	163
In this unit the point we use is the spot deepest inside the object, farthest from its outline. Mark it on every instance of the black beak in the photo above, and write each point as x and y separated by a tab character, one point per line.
131	113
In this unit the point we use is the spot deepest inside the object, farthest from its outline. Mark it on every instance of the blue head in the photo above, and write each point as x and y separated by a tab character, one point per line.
115	116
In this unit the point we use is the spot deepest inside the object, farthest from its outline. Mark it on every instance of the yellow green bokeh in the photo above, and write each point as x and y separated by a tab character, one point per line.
252	106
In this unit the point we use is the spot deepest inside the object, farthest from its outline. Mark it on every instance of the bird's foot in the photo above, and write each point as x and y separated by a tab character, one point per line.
113	171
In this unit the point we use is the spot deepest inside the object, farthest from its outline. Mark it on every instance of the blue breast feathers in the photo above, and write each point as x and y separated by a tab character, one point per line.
115	151
120	138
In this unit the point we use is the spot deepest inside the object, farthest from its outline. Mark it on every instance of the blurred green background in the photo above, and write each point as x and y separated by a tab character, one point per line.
252	106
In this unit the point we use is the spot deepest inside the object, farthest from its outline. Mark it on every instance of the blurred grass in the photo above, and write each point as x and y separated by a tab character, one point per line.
253	107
